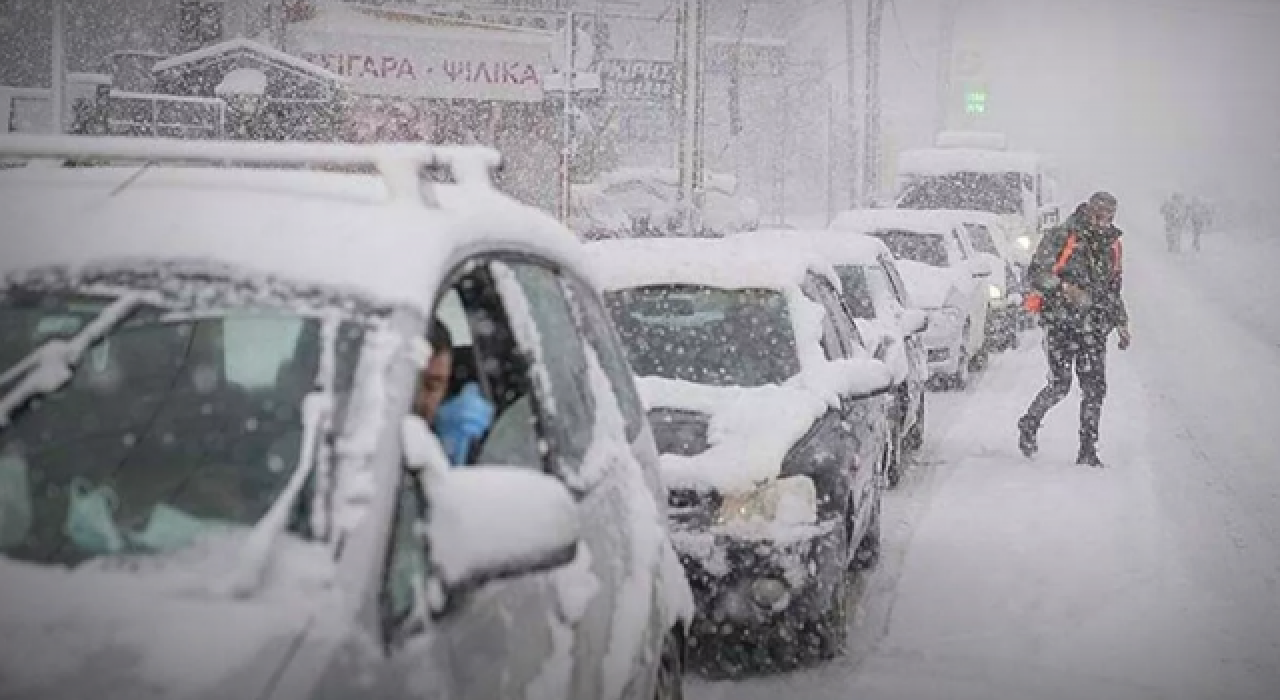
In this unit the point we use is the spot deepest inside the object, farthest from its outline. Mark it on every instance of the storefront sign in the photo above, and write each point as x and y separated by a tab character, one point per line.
444	66
639	79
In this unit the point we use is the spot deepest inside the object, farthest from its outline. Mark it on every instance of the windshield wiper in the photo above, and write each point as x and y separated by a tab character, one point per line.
52	365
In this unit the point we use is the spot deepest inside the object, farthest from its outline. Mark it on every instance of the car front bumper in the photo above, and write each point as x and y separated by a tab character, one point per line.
746	588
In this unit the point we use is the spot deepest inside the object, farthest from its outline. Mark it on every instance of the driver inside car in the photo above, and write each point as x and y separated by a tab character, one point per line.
459	421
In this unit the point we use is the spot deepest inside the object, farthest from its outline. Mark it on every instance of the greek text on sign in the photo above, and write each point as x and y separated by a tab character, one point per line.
755	56
434	67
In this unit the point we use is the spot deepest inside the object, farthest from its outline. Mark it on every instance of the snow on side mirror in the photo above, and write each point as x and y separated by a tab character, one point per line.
421	449
488	523
981	268
914	321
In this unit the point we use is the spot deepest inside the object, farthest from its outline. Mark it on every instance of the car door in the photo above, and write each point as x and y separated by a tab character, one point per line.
595	458
897	302
865	419
976	292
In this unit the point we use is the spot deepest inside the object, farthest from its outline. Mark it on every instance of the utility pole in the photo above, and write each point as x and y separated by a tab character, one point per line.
567	125
871	171
58	68
690	57
852	101
946	47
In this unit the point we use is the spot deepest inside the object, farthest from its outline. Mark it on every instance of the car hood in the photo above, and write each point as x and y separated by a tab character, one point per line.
932	287
749	430
747	434
112	634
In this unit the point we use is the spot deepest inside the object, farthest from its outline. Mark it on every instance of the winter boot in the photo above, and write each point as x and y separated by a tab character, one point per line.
1027	428
1088	457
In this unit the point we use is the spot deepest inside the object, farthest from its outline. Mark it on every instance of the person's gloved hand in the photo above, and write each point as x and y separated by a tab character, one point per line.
461	421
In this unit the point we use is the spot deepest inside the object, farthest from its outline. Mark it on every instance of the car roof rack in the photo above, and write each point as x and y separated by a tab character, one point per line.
404	167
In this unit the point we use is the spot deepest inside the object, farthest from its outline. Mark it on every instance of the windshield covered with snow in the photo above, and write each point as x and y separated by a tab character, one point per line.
706	335
996	193
919	247
172	425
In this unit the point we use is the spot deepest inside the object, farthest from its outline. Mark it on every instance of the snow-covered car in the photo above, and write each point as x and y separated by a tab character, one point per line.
773	421
213	478
595	216
877	297
943	276
988	234
650	197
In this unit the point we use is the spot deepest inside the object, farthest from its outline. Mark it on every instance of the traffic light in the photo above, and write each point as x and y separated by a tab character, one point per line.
975	101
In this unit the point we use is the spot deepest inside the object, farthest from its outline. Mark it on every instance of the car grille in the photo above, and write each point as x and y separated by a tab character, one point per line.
680	432
692	509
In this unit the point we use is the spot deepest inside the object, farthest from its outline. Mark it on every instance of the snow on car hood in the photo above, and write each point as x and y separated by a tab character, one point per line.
751	429
931	287
108	634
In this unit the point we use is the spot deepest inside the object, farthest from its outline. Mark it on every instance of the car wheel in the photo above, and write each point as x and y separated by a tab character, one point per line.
914	439
893	462
868	553
670	682
960	379
828	635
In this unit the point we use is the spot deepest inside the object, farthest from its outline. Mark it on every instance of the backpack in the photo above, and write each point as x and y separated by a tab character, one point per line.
1034	301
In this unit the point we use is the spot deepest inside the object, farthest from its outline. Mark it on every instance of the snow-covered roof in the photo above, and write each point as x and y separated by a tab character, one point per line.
946	161
339	230
349	18
837	247
220	49
916	220
737	262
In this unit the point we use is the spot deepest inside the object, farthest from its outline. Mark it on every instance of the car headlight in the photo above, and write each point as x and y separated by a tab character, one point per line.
995	292
791	500
1024	242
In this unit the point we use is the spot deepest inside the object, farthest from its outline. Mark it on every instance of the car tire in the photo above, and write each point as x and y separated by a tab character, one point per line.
914	438
960	380
669	684
867	555
828	635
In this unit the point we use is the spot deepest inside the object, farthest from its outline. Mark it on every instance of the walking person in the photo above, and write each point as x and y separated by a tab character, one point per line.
1076	278
1175	213
1198	219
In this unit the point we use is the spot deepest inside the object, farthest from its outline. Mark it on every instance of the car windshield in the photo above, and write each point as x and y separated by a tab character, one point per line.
996	193
857	290
924	248
173	424
707	335
981	237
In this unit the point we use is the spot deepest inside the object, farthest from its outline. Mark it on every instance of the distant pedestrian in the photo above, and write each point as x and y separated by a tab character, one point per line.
1175	213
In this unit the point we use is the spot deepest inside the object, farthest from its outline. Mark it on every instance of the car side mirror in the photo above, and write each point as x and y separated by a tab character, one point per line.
914	321
487	523
420	448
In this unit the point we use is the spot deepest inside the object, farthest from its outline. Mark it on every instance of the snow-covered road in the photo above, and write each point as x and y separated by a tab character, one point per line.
1156	578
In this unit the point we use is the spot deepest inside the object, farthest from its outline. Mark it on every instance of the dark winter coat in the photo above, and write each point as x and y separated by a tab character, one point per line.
1094	263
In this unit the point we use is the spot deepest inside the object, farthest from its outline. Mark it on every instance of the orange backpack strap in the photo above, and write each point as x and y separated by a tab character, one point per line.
1117	258
1065	255
1034	302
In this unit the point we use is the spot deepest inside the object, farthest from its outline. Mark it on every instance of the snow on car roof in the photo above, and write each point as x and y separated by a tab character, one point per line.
737	262
946	161
924	221
837	247
339	230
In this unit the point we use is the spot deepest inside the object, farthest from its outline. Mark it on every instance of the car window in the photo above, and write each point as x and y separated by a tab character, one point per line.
882	290
959	245
603	338
402	601
980	235
857	290
502	430
895	281
837	317
535	292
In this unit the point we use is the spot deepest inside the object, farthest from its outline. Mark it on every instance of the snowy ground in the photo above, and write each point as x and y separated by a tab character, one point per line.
1156	578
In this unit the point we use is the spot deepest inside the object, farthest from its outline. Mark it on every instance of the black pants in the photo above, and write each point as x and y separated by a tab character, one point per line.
1086	351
